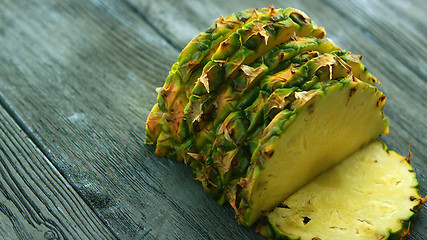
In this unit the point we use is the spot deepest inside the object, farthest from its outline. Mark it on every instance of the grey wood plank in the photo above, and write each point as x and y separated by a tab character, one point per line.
36	202
82	75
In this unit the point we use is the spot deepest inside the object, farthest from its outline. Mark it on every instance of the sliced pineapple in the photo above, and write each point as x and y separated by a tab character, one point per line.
325	127
260	105
371	195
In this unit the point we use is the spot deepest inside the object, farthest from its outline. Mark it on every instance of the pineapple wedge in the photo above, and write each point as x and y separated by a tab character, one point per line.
370	195
325	127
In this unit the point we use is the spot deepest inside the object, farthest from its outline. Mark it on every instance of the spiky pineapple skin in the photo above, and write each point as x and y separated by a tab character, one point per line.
250	41
172	97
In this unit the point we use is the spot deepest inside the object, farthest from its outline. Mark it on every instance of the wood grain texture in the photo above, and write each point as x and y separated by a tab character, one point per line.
36	202
82	74
82	77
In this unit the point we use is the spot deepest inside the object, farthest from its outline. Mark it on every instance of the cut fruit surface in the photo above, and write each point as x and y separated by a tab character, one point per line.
326	127
370	195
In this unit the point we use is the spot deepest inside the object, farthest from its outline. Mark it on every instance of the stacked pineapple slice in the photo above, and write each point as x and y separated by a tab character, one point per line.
261	104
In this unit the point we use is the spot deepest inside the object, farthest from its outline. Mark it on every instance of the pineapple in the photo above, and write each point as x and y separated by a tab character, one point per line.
325	127
377	192
260	105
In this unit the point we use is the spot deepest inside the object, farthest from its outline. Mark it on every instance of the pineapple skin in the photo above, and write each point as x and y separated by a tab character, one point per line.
172	97
250	35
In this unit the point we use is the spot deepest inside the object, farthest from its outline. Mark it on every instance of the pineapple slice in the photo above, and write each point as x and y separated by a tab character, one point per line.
325	127
370	195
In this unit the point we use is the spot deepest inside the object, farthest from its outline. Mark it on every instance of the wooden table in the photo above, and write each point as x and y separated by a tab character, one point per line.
77	82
